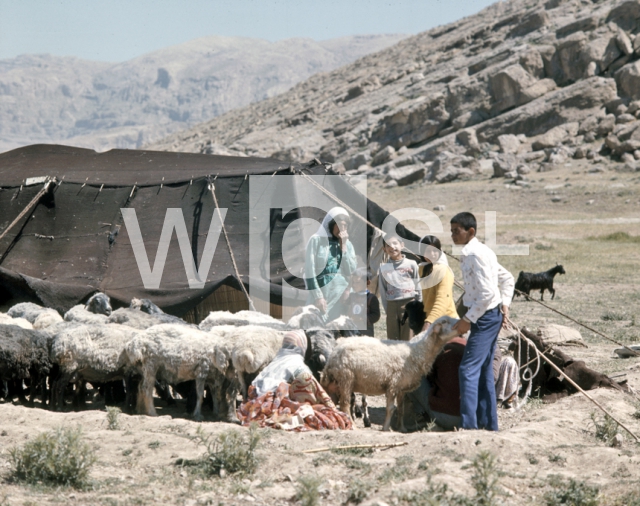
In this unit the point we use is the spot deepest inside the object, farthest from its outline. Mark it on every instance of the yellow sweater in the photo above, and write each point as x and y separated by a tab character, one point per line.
438	300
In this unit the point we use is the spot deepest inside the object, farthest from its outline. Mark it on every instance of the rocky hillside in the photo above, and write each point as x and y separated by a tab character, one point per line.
45	98
520	86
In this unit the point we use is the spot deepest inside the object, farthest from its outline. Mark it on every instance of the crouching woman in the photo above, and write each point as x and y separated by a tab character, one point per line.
285	395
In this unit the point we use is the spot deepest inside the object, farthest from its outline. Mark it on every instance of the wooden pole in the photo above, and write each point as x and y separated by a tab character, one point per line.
355	447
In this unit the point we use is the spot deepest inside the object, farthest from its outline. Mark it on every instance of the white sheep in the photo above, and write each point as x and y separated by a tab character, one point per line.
93	353
241	318
375	367
252	348
47	319
174	353
141	320
30	312
5	319
79	314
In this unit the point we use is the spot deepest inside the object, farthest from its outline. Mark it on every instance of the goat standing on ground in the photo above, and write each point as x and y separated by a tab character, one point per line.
542	281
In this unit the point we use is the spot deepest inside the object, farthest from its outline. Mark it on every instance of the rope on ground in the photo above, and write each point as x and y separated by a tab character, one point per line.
573	383
233	258
355	447
634	352
26	209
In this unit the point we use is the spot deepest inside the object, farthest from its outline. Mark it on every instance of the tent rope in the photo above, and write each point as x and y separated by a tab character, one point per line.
514	327
26	209
634	352
233	258
342	204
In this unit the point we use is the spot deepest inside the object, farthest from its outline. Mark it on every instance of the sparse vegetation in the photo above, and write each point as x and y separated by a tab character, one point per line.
57	457
612	316
485	479
358	490
154	445
308	490
113	422
616	237
232	451
605	428
355	452
571	493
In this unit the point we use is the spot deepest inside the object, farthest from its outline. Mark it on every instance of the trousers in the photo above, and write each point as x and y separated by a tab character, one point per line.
478	409
420	400
395	330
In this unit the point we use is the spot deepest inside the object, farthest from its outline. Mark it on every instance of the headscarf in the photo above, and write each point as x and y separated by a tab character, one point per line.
286	365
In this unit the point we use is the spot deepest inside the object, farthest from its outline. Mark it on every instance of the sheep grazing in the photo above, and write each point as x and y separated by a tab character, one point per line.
32	312
174	353
78	314
146	306
24	355
252	348
99	303
305	317
19	322
142	321
375	367
47	319
241	318
320	344
542	281
343	326
414	312
88	353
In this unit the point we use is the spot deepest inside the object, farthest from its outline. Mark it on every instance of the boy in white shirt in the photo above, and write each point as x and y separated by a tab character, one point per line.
488	293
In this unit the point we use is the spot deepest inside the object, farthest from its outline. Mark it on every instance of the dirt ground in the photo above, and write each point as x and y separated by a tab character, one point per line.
535	445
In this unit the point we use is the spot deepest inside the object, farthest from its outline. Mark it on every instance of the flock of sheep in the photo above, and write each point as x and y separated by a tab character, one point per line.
130	352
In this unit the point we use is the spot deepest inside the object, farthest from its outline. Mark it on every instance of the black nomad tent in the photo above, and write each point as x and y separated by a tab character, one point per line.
63	238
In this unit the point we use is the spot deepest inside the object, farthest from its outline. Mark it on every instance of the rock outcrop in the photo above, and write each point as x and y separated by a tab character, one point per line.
521	85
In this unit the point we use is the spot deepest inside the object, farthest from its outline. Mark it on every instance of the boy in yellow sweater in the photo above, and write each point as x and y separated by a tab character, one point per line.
437	282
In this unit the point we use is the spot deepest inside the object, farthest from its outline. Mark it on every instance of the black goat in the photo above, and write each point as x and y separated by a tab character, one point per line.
542	281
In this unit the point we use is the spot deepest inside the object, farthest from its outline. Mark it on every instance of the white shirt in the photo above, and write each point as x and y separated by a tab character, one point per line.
486	283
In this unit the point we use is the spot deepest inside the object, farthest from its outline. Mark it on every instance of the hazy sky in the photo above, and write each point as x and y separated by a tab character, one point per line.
117	30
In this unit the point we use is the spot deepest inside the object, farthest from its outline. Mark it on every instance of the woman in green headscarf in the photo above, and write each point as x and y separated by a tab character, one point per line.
329	262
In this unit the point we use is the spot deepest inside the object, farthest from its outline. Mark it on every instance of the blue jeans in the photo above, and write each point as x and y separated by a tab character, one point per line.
420	399
478	407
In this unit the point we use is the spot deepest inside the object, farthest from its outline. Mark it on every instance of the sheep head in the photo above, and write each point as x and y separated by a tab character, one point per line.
99	303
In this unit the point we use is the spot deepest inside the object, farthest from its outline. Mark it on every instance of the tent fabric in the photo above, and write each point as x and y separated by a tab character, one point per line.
74	242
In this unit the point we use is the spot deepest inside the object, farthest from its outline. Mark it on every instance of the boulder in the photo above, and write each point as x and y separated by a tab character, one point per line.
452	173
507	85
581	152
504	164
537	89
626	16
532	62
571	103
588	125
406	175
612	142
624	43
606	125
585	24
509	143
467	138
625	118
358	160
530	23
628	80
383	156
602	51
567	64
554	137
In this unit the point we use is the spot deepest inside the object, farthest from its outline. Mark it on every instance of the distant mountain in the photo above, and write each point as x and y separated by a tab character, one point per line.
99	105
518	87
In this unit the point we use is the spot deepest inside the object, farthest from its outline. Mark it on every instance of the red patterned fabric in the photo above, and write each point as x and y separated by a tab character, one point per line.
299	407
